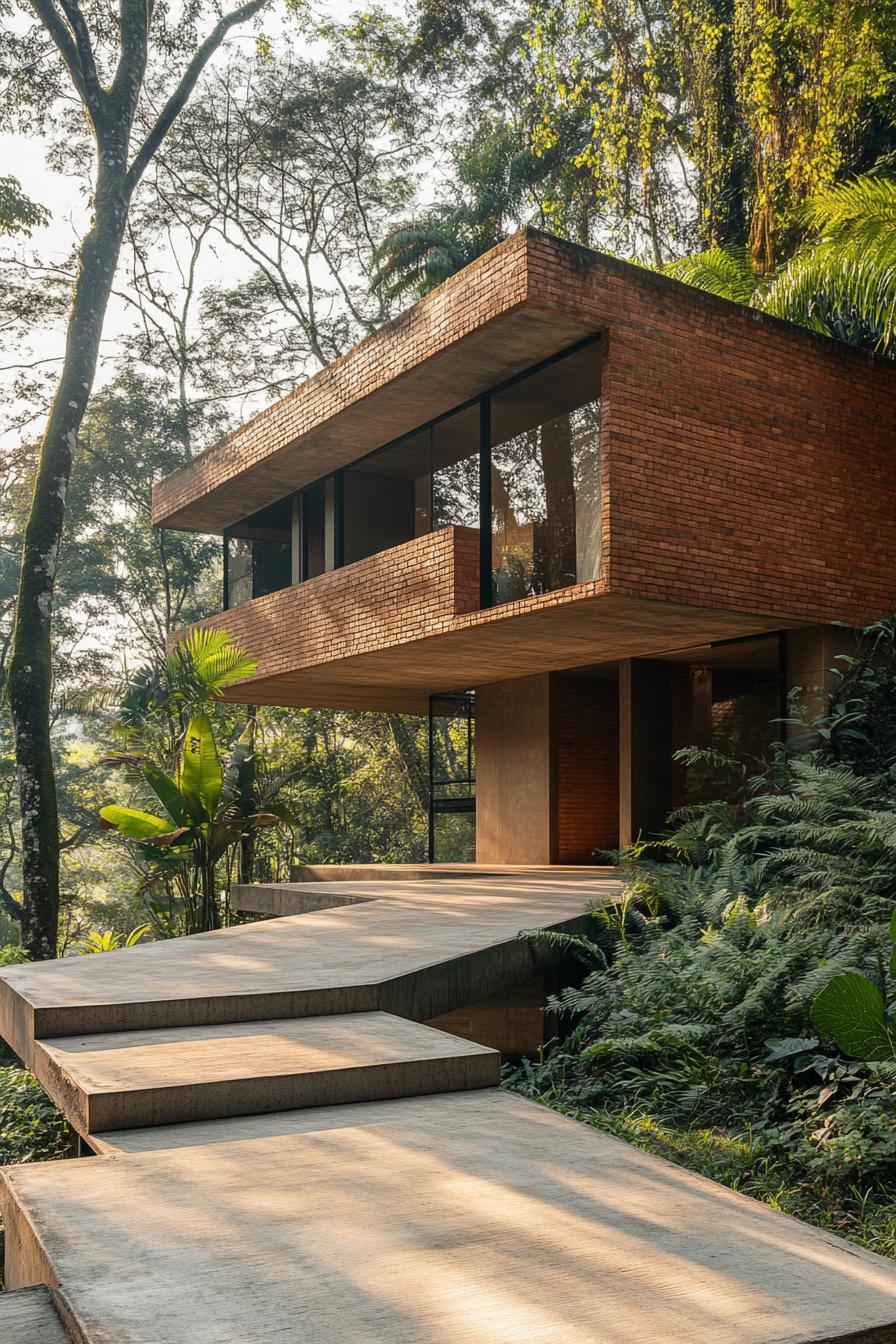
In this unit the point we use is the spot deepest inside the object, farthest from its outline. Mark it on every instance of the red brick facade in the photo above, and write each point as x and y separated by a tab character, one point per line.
406	594
747	478
747	464
587	768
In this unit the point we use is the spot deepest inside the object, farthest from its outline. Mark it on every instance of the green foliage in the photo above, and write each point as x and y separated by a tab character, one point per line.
109	940
727	272
494	174
18	214
851	1010
764	928
209	808
841	281
713	120
31	1128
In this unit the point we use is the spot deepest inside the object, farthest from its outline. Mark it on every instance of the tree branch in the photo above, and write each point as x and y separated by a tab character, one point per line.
179	97
75	47
63	41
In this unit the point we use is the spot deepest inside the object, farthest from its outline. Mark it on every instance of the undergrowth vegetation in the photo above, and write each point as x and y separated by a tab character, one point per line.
691	1032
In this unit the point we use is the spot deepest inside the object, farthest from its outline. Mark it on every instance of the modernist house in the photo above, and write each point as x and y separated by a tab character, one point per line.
604	513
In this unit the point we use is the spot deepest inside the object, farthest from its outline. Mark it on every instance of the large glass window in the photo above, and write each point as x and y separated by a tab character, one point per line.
452	779
545	479
540	519
422	483
258	554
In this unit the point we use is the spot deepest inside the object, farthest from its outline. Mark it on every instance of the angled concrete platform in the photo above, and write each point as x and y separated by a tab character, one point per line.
468	1218
28	1316
328	885
415	949
138	1078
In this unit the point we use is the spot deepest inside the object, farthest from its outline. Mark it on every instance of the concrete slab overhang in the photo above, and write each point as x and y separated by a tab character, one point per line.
391	630
476	330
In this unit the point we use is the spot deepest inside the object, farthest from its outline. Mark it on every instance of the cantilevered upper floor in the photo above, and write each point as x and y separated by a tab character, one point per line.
553	460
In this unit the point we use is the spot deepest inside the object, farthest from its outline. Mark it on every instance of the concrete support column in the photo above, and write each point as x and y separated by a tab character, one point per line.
515	772
810	664
645	747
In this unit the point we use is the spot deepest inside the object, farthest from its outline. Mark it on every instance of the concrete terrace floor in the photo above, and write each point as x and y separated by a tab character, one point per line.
465	1215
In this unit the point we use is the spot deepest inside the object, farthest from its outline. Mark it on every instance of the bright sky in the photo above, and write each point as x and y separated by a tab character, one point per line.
24	157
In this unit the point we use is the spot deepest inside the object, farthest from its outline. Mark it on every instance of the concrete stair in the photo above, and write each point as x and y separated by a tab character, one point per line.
414	949
126	1080
28	1316
286	1152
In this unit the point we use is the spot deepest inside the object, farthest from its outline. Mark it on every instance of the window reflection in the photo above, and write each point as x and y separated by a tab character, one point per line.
258	554
545	480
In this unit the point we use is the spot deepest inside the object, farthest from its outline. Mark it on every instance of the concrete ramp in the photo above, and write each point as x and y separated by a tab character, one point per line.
287	1155
470	1218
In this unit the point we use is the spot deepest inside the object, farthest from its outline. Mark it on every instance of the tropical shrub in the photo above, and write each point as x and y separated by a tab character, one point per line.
713	1003
109	940
208	809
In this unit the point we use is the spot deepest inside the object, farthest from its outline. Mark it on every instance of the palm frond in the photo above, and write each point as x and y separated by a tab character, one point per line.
213	660
843	282
727	272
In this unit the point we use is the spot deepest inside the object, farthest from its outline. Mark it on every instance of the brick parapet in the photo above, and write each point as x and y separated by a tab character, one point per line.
408	593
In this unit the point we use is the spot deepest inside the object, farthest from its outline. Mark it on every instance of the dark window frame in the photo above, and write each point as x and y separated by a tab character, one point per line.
483	401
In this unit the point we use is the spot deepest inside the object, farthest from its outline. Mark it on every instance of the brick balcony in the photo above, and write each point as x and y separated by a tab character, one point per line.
397	597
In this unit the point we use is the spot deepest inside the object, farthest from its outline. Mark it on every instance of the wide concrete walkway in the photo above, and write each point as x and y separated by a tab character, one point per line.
464	1215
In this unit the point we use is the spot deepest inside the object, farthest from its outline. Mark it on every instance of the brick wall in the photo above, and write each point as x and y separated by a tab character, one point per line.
748	465
406	593
587	712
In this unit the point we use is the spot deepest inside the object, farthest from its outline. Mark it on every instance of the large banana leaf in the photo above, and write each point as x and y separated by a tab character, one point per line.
851	1011
134	824
168	794
240	769
200	774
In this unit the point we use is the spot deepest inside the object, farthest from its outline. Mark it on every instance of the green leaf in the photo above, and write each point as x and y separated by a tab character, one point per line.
201	776
213	661
893	941
850	1011
168	794
134	824
788	1046
239	775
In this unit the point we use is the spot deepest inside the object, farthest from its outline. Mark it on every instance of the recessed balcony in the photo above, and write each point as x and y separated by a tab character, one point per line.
338	638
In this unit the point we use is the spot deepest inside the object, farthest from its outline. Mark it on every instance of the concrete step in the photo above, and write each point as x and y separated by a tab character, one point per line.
466	1218
327	885
27	1316
126	1080
414	949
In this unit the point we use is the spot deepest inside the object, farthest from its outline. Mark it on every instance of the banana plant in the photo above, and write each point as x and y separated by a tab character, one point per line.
852	1011
207	808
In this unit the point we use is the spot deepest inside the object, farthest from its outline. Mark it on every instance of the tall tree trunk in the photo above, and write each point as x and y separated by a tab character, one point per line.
415	768
30	668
